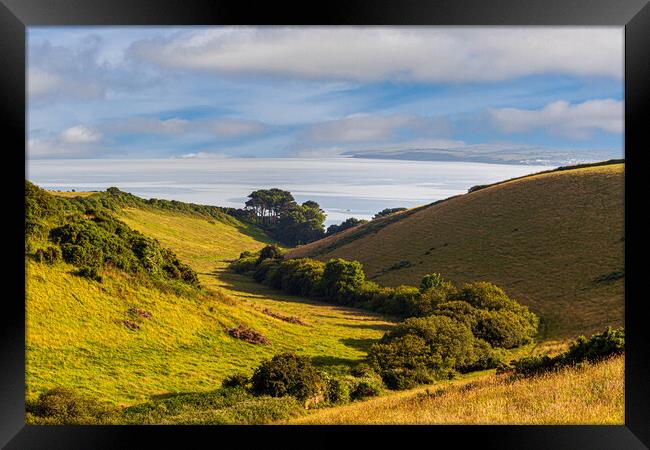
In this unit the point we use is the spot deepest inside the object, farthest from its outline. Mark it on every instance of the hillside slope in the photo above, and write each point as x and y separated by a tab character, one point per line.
76	335
553	241
593	394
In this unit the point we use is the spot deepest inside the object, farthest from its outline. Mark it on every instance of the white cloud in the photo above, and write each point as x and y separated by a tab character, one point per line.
80	134
41	82
434	54
577	121
368	128
148	125
231	128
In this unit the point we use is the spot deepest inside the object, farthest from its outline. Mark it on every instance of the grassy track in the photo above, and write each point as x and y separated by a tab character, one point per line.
553	241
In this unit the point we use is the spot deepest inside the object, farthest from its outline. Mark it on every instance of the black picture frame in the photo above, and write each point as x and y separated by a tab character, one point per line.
16	15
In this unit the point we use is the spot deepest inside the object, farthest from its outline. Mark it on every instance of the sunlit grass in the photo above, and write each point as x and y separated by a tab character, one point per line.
593	394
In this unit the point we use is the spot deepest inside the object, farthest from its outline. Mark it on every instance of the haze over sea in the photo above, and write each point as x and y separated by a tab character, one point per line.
344	187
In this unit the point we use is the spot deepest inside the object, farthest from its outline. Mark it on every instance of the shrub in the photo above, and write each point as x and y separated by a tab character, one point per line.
89	272
403	300
430	347
503	328
458	310
49	255
365	387
66	407
363	370
600	346
236	380
245	264
433	280
341	279
337	391
301	276
265	271
426	303
270	252
484	295
608	343
287	374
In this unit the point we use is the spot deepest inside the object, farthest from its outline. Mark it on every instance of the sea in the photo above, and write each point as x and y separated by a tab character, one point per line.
344	187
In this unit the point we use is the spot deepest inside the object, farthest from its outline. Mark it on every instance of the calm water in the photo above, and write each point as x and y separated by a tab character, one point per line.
344	187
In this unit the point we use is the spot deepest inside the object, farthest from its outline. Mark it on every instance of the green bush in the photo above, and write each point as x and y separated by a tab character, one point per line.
264	273
432	347
503	328
341	279
608	343
287	374
365	387
244	265
236	380
89	272
426	303
337	391
600	346
433	280
458	310
302	276
48	255
484	295
63	406
363	370
272	251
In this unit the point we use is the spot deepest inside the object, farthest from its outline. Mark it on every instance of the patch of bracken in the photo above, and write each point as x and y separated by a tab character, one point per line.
289	319
248	335
140	313
131	325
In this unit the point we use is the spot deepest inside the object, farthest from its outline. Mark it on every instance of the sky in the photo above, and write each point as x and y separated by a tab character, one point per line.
530	95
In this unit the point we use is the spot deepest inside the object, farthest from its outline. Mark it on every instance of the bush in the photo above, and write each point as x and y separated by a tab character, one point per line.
337	391
245	264
366	387
433	280
236	380
89	272
341	279
608	343
430	347
363	370
302	276
287	374
49	255
503	328
600	346
484	295
458	310
270	252
426	303
264	273
66	407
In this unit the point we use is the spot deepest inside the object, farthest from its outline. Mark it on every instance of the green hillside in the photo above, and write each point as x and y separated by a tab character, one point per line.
553	241
77	336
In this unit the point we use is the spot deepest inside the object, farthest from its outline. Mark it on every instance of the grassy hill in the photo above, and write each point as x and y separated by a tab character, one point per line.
593	394
76	333
553	241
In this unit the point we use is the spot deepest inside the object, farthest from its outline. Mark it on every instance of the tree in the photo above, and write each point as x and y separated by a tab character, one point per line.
342	278
287	374
347	223
387	212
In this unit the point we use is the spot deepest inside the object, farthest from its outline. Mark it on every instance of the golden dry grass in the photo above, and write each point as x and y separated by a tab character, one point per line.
593	394
68	194
545	239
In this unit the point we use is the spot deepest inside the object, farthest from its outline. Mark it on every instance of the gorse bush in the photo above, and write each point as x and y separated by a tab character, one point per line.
287	374
236	380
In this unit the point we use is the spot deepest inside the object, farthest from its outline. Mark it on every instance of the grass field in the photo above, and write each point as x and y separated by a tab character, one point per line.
593	394
76	338
554	242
